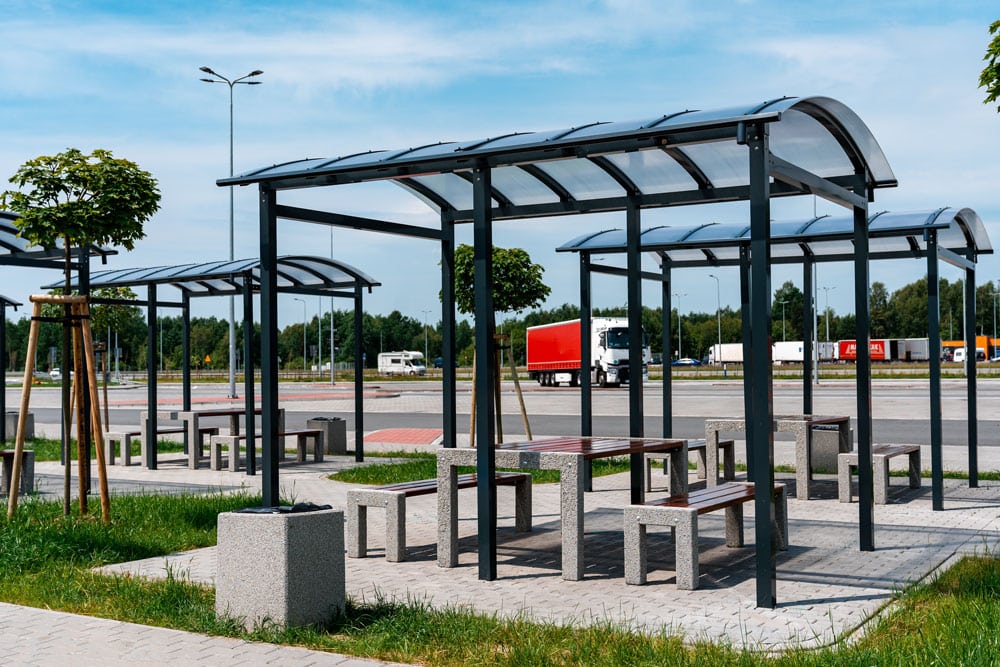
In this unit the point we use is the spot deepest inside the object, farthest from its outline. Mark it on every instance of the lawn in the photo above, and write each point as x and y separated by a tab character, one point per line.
948	621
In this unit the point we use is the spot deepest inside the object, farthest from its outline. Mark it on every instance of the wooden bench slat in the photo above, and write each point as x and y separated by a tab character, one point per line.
465	481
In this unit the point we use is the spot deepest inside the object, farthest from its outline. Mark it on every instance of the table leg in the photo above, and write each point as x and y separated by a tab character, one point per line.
711	457
447	514
679	470
803	461
571	511
193	439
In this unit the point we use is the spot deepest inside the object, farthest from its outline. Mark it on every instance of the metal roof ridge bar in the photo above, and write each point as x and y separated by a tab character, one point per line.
355	222
810	183
802	229
565	133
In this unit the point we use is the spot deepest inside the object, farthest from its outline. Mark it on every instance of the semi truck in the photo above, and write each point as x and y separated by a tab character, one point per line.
401	363
553	352
782	352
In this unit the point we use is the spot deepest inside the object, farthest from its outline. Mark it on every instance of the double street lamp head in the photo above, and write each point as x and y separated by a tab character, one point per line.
221	79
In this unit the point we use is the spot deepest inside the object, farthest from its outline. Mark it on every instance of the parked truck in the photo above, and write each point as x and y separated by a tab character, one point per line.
726	353
401	363
553	352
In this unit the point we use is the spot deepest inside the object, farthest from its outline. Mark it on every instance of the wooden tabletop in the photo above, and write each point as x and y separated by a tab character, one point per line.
593	447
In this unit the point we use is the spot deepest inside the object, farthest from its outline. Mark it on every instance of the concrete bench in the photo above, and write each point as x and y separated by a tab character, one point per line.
880	465
681	514
392	497
232	445
124	440
698	447
27	471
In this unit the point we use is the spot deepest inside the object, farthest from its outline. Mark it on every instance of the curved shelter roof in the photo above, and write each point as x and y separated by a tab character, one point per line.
824	238
295	272
14	249
677	158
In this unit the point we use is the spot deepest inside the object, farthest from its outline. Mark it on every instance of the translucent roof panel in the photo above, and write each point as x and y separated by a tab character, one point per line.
690	151
12	245
890	234
227	277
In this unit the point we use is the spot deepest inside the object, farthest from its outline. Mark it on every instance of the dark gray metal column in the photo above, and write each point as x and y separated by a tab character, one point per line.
747	333
449	382
87	427
186	352
359	377
3	371
666	316
808	327
248	392
761	415
486	490
586	345
862	336
970	364
634	290
269	347
934	350
151	366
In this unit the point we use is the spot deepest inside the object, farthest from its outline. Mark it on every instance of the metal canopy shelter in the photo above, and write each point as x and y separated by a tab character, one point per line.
956	236
295	274
783	147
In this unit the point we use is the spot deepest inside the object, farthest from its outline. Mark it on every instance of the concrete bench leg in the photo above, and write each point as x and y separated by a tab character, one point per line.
844	464
781	518
394	503
635	547
109	448
232	445
880	464
522	505
734	526
915	469
683	521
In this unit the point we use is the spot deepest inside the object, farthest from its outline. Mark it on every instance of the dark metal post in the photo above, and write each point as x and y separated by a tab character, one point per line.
186	353
486	492
449	381
761	415
862	335
635	413
359	376
248	392
970	364
666	316
151	367
269	346
84	285
934	345
747	332
3	372
586	359
808	327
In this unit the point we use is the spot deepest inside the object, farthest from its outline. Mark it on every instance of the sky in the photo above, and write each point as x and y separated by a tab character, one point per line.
346	77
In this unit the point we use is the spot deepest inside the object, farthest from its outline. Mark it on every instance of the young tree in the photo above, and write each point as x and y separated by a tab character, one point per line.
517	281
990	76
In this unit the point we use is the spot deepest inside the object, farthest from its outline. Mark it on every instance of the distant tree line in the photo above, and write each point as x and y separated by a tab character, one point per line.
901	314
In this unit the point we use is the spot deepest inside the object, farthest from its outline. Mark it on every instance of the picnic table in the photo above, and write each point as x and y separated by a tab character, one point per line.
190	421
567	455
801	425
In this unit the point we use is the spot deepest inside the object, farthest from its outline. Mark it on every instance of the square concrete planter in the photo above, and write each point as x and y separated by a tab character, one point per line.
281	567
10	424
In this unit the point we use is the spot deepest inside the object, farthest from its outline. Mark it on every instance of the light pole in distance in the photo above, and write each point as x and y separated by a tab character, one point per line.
425	312
783	319
232	301
827	313
302	301
718	317
680	340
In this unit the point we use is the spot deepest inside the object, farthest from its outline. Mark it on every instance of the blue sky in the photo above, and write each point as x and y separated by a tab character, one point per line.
344	77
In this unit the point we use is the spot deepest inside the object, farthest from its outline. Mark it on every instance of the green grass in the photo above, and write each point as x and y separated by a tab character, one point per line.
948	621
423	465
49	450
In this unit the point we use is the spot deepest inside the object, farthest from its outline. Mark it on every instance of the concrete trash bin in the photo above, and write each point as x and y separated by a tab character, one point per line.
334	433
282	565
826	445
10	424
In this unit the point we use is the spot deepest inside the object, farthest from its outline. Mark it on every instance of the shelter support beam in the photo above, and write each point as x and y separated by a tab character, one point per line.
934	343
151	367
810	183
354	222
449	383
486	490
636	426
863	367
586	345
761	415
269	346
359	377
186	352
248	392
970	365
808	330
668	389
747	334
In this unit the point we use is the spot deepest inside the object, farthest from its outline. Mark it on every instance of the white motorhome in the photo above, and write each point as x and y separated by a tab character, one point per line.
401	363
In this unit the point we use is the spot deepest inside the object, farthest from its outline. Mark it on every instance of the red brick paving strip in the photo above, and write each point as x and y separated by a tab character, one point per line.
405	436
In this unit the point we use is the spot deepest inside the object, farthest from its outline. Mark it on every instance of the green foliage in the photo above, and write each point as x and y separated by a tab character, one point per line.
517	281
112	317
990	76
94	199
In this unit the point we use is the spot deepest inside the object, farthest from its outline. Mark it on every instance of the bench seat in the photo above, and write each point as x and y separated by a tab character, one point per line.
392	497
124	440
232	445
881	454
681	513
698	447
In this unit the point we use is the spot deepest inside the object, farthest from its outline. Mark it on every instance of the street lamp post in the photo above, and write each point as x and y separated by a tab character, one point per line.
783	320
302	301
232	301
425	312
718	317
827	313
680	340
